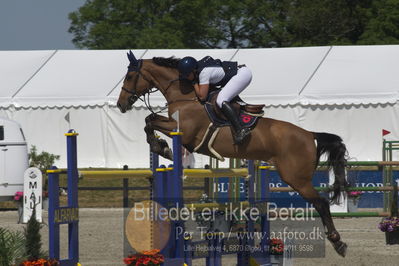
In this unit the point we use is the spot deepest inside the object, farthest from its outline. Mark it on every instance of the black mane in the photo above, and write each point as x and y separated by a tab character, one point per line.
171	62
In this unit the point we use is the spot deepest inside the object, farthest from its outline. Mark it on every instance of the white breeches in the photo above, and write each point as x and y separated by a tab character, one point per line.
235	85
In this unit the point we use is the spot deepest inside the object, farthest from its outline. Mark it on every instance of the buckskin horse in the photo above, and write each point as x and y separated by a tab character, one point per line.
291	149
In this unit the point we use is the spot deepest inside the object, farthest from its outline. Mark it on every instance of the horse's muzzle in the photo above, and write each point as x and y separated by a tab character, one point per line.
126	107
121	108
132	99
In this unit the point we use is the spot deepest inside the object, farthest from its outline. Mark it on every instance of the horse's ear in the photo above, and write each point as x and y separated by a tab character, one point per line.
132	58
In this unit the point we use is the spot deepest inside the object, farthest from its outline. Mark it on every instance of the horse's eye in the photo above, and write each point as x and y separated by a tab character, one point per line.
128	77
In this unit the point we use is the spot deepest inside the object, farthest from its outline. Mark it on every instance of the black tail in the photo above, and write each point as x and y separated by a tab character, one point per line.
336	152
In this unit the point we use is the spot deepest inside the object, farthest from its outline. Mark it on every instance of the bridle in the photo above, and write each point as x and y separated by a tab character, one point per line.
134	97
136	68
146	96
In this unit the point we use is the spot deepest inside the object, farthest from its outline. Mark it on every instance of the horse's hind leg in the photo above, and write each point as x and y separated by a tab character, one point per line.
301	181
323	208
164	125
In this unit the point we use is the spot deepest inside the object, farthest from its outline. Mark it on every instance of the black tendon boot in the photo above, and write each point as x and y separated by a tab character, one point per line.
240	132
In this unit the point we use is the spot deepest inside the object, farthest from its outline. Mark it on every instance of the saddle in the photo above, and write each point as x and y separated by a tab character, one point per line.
248	116
248	113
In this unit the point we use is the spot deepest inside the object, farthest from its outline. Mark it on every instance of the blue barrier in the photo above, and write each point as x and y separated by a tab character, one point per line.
66	214
369	178
168	191
359	178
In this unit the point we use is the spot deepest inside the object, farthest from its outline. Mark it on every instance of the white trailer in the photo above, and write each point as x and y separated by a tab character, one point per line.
13	158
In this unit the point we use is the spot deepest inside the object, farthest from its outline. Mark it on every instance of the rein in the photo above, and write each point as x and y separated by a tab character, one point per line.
133	98
179	100
146	96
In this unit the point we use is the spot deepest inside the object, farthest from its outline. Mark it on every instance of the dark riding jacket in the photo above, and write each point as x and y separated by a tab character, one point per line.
229	68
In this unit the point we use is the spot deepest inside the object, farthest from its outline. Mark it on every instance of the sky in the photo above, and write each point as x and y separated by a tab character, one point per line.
36	24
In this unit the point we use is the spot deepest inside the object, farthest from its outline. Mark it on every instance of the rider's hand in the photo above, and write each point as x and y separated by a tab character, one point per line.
202	100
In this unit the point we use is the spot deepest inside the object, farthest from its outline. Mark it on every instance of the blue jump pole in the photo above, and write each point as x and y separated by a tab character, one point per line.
244	254
168	190
169	185
67	214
159	186
215	255
73	228
177	192
265	223
154	161
251	199
160	195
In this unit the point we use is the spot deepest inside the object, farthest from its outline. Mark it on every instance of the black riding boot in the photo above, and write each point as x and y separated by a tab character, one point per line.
240	132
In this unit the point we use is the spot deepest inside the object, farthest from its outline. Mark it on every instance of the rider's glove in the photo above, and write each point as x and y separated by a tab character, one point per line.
201	101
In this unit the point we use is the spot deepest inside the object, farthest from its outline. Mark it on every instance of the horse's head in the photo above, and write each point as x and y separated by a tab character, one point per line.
135	84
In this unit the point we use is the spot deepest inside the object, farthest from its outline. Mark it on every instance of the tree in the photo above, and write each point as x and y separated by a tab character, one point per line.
43	160
289	23
267	23
33	238
226	26
113	24
382	27
163	24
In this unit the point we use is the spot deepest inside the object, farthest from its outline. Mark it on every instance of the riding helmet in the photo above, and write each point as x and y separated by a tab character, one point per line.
187	65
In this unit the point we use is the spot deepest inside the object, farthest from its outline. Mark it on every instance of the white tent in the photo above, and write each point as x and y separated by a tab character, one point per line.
351	91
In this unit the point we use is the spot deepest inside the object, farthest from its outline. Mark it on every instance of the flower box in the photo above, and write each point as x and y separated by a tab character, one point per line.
50	262
390	226
353	200
392	238
352	204
276	260
149	258
276	250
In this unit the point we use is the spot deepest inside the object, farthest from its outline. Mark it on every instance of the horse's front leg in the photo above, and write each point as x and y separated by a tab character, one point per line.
164	125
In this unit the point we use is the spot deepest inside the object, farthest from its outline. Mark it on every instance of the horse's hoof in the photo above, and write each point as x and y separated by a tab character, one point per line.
340	247
167	153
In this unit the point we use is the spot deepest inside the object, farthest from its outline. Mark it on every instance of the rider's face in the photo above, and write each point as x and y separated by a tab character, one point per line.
191	76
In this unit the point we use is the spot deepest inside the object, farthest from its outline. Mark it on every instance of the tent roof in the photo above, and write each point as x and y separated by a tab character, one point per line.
331	75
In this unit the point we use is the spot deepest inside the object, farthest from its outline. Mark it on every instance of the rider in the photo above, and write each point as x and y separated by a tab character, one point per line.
225	74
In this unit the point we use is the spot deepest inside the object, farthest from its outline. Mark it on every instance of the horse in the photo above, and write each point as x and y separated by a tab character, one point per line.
292	150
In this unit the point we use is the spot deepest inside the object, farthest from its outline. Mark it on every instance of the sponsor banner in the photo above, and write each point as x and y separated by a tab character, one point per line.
361	178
